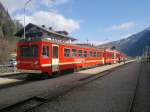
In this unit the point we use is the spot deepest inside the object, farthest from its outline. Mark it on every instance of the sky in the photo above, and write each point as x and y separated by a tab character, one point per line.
97	21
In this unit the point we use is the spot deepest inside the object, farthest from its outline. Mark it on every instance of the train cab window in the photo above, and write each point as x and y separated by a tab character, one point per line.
91	54
67	52
85	54
29	51
94	54
80	53
74	52
45	51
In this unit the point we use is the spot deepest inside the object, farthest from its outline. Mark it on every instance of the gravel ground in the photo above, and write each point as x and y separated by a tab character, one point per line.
142	98
112	93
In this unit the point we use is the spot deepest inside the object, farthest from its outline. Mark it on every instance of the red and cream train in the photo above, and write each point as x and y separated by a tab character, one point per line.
39	54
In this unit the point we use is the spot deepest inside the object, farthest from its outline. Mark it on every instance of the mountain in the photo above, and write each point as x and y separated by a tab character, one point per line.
5	21
7	26
133	45
2	7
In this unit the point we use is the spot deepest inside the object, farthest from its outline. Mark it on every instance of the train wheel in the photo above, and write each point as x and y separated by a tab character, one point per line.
76	69
31	77
44	76
55	74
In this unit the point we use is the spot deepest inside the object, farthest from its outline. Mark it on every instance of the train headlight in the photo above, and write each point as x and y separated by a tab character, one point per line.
18	62
36	62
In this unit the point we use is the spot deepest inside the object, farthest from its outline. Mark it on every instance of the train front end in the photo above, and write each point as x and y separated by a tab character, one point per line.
28	58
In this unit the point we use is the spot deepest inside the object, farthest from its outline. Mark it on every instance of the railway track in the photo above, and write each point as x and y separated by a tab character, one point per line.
132	100
34	102
143	68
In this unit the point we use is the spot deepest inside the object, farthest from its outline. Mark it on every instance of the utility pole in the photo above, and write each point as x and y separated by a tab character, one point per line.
147	53
24	17
144	54
147	49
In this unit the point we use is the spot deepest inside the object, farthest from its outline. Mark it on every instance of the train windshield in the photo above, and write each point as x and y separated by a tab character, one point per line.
29	51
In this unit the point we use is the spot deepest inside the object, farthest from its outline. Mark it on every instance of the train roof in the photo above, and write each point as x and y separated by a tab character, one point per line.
51	33
57	42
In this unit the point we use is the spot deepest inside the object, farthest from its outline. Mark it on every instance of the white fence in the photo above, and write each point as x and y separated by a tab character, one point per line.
7	69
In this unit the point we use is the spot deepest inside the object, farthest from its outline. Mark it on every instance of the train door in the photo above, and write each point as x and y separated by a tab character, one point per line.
115	57
55	58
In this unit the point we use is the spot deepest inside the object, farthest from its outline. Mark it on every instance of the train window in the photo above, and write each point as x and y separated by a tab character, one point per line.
91	54
45	51
85	54
88	54
80	53
67	52
74	52
99	54
94	53
112	55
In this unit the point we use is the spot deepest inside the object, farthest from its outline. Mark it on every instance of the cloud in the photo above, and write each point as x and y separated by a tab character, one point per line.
49	2
37	15
15	5
122	26
99	42
56	20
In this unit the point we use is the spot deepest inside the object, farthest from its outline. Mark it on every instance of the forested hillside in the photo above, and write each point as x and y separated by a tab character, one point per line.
7	29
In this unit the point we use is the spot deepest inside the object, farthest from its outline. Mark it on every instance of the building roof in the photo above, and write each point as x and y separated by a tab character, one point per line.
55	34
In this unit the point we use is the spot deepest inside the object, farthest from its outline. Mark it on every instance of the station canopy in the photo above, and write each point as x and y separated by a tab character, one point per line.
33	31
